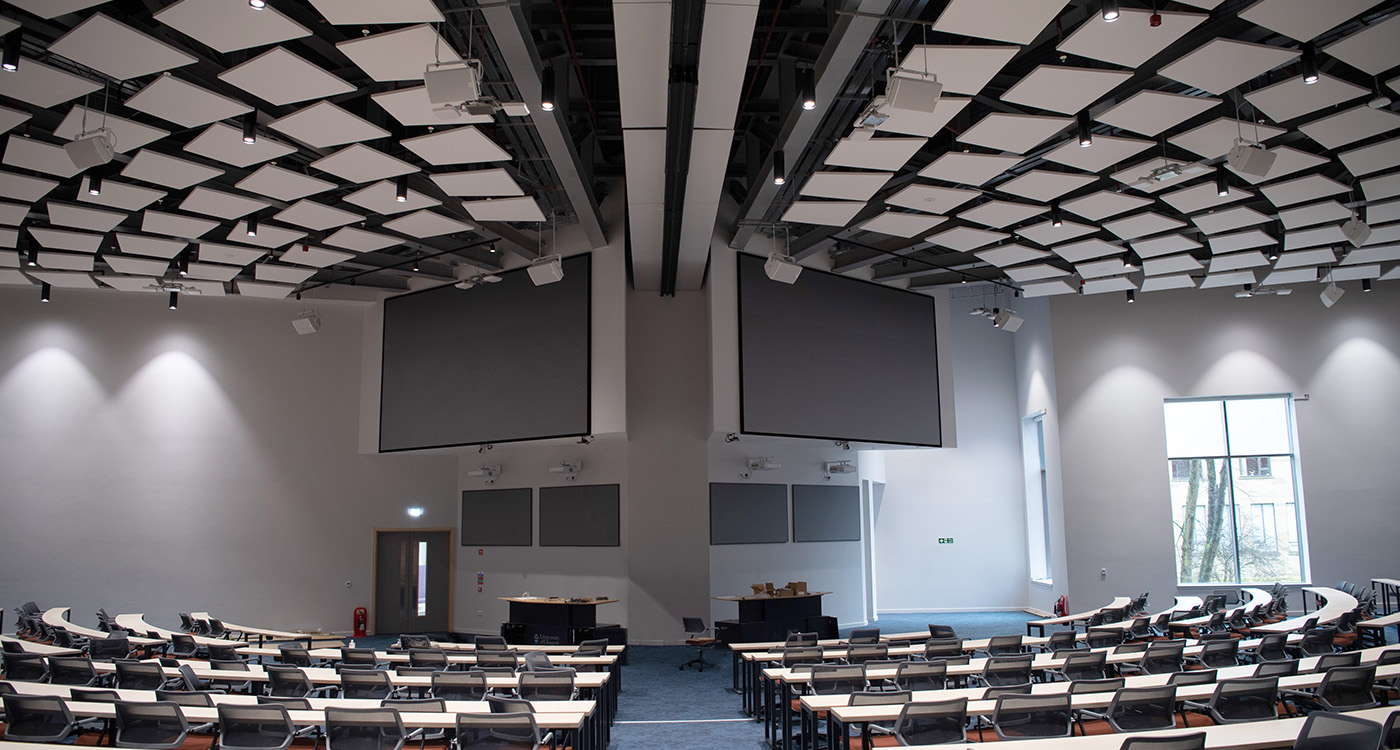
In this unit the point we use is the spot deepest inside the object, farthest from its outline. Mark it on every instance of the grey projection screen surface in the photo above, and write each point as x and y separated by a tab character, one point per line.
497	518
748	513
494	363
836	358
825	513
580	516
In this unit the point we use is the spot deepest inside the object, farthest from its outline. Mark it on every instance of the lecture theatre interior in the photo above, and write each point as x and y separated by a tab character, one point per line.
472	317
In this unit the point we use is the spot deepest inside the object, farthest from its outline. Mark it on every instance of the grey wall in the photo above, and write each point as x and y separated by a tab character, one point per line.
1035	392
1114	365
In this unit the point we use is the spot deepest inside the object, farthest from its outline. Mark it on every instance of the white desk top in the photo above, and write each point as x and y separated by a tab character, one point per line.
1338	603
42	649
1118	602
1257	597
1183	604
58	617
138	623
328	676
563	660
283	634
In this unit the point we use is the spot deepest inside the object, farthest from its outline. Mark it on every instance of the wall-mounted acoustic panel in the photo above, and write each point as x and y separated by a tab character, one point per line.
580	516
748	513
825	513
497	518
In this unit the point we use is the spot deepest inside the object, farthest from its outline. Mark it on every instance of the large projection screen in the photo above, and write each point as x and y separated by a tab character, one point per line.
491	364
836	358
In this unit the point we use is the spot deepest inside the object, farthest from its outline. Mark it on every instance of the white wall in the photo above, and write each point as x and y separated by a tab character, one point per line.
1116	363
1035	392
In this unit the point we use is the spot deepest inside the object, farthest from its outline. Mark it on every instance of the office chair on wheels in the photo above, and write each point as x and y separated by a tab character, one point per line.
695	629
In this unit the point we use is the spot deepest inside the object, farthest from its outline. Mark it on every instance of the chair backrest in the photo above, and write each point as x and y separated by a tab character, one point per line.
1008	670
992	693
1143	708
838	679
1271	647
192	681
860	653
460	686
114	646
1221	653
229	665
407	641
1195	677
199	698
1017	716
94	695
692	625
599	646
939	647
1062	640
502	705
879	697
1244	699
1390	739
1085	665
36	718
942	631
262	727
537	660
1104	637
25	667
1348	688
427	657
364	729
932	722
864	635
183	644
794	655
801	639
160	724
490	643
497	659
498	730
293	655
998	645
287	682
291	704
216	628
1286	668
921	675
1195	741
1108	685
139	676
1164	657
1318	641
356	656
1330	731
365	683
416	705
547	685
71	670
1324	662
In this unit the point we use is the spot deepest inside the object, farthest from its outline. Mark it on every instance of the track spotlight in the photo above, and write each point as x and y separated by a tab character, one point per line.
183	266
1365	285
492	248
250	126
257	4
44	290
1086	138
1132	296
547	89
1273	253
807	88
1130	262
401	189
174	300
1222	185
9	61
1309	63
95	183
252	225
1110	11
779	169
33	259
1057	219
415	264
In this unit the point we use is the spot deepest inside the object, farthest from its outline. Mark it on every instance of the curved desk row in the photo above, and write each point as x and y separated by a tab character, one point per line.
1337	604
1117	603
42	649
57	617
261	633
1183	604
1257	597
138	623
397	658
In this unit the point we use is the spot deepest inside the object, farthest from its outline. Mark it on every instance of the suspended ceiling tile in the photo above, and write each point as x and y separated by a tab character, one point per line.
1103	204
11	117
1236	261
967	168
1286	162
44	86
1349	126
373	12
183	103
154	167
1062	88
965	239
1384	235
67	261
484	182
28	153
211	271
323	125
1015	133
117	194
1101	268
65	279
1046	233
1318	256
1354	273
135	266
934	200
9	237
1170	264
425	223
1378	188
61	239
1287	99
851	186
230	26
1018	21
145	283
317	216
1163	283
264	290
1230	218
203	200
1011	254
1142	225
1305	238
999	214
175	225
51	9
282	184
827	213
234	255
117	49
1153	112
1229	278
1380	213
280	274
1316	213
223	143
81	217
1372	254
360	163
13	214
23	187
268	236
1045	186
961	68
1229	243
203	288
1105	151
1203	196
1131	40
926	124
361	241
465	145
399	55
1302	189
1078	252
126	134
1162	244
1034	272
878	153
381	198
1112	284
1215	139
1371	50
1047	288
316	257
1139	177
280	77
7	25
412	108
1371	159
1392	275
901	224
155	247
1291	276
1303	19
1222	64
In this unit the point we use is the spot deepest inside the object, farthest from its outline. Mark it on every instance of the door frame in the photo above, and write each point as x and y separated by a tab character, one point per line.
374	562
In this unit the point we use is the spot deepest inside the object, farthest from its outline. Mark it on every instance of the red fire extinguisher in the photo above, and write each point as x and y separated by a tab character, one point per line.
361	621
1061	606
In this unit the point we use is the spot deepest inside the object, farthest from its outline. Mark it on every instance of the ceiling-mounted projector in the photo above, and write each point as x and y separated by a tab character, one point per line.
839	467
92	149
1250	158
763	463
454	90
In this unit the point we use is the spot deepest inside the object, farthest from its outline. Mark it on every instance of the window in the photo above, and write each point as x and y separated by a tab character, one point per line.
1234	490
1037	497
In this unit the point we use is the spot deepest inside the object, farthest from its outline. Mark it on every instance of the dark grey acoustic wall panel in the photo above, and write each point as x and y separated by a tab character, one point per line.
805	348
825	513
748	513
580	516
490	364
497	518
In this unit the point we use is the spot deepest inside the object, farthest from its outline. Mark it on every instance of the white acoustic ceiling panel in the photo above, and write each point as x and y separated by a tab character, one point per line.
902	224
527	209
211	271
1011	254
961	68
967	168
155	247
1139	176
399	55
1103	204
1035	272
381	198
1078	252
1043	185
1230	218
1291	276
1230	278
1046	233
323	125
360	12
203	200
44	86
1142	225
235	255
1292	98
1172	281
1317	256
412	108
117	49
879	153
1152	112
361	241
1215	139
175	225
1304	238
1302	189
1017	21
1162	244
934	200
117	194
1047	288
9	237
360	163
425	223
1203	196
1371	50
228	26
1378	188
264	290
65	279
126	134
1111	284
1372	254
316	257
965	239
1349	126
1377	157
850	186
1222	64
1354	273
826	213
1236	261
38	156
999	214
1303	19
282	184
13	214
62	239
464	145
1106	151
1131	40
280	77
1380	213
477	183
54	8
154	167
223	143
23	187
642	34
1384	235
1229	243
136	266
1101	268
146	285
1178	263
1313	214
1286	162
317	216
926	124
1015	133
268	236
81	217
185	104
280	274
1065	89
10	118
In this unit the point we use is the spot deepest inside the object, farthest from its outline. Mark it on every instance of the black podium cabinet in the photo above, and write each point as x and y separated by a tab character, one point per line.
771	618
551	621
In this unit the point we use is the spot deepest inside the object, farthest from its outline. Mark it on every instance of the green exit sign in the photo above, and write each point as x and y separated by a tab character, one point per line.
945	540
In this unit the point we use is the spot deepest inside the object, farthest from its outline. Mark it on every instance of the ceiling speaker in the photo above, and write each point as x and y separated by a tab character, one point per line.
307	322
1255	161
91	150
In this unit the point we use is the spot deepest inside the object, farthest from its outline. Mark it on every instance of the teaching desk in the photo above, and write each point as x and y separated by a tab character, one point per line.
555	620
261	633
1117	603
765	618
58	617
1337	604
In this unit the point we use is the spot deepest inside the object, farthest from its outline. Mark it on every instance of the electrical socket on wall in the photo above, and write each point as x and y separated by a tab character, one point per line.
347	584
1103	574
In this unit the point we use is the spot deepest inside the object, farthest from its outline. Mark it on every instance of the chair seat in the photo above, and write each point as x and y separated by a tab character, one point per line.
699	641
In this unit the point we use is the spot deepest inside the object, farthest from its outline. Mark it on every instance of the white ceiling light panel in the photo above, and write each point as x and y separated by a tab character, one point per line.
998	214
1106	151
1371	159
28	153
1017	21
44	86
360	12
1380	213
323	125
10	118
228	26
1371	50
268	236
464	145
1162	244
961	68
1046	233
23	187
1354	273
211	271
361	241
1045	186
965	239
317	216
1303	19
1286	162
280	77
825	213
902	224
850	186
1291	276
1101	268
360	163
1103	204
154	167
1302	189
1378	188
934	200
1230	218
234	255
412	108
1142	225
117	49
175	225
1015	133
117	194
1229	278
264	290
13	214
1372	254
1011	254
399	55
880	153
1292	98
184	104
223	143
1316	213
1152	112
155	247
1222	64
79	217
425	223
316	257
1078	252
1236	261
1172	281
1215	139
480	182
1064	89
203	200
144	285
1131	40
968	169
1349	126
282	184
126	134
381	198
1035	272
51	9
1204	196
